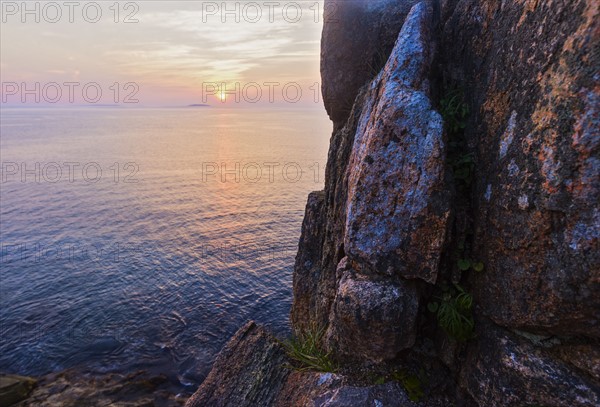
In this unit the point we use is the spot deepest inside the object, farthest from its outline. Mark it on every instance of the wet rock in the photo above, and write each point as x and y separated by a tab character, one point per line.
502	369
14	388
398	200
530	73
372	319
72	388
357	38
249	371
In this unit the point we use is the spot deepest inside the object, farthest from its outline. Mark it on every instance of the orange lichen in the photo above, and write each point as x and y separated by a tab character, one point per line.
529	6
497	106
590	26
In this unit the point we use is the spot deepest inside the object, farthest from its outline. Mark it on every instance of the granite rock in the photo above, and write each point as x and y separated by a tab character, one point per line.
398	192
14	388
530	74
357	38
503	369
372	319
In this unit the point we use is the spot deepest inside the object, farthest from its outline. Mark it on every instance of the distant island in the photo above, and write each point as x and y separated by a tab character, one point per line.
198	105
101	105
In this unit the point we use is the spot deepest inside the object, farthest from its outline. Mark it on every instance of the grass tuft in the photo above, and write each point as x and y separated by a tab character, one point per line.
306	352
454	110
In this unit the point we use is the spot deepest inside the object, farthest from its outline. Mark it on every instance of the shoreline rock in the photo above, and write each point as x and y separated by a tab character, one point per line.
253	370
75	388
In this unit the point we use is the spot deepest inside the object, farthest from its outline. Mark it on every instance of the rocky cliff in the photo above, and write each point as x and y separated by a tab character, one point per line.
458	232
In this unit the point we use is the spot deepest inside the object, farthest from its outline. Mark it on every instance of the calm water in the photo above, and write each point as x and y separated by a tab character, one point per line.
155	264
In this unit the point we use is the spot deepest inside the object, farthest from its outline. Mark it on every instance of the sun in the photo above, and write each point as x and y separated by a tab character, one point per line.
222	96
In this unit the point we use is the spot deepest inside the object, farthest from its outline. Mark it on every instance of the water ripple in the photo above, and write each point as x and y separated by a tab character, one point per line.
155	274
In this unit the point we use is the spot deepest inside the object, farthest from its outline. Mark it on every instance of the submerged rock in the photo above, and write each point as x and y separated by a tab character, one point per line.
14	388
72	388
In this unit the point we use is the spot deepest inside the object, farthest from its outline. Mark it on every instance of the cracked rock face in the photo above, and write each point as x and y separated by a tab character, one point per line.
385	208
530	71
372	240
398	201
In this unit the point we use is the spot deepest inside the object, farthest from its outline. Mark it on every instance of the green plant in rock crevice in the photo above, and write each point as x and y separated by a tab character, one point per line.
455	111
306	351
412	384
454	312
464	263
467	264
463	168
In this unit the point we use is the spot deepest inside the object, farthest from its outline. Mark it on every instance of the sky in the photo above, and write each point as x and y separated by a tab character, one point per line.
161	53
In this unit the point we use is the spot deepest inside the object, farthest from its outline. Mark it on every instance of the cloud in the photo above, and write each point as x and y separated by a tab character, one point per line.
213	50
171	47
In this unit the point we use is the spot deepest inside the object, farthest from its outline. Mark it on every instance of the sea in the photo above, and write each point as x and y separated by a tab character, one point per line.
142	239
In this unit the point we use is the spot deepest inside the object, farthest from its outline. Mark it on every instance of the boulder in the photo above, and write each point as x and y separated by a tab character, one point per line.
76	388
249	371
252	370
398	194
385	207
357	38
372	319
389	394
